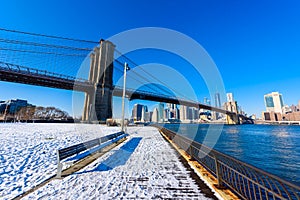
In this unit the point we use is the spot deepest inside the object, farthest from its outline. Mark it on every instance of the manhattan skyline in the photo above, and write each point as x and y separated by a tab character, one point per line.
255	45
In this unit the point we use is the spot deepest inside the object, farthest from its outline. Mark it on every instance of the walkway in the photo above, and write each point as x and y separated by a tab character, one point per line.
144	167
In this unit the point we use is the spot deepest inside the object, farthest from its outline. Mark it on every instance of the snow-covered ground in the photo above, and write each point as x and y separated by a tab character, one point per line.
144	166
28	151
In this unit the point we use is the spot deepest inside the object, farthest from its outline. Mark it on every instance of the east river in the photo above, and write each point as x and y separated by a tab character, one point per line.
275	149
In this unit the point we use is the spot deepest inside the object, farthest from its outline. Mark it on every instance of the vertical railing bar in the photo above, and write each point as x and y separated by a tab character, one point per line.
256	184
285	190
267	194
272	191
253	186
230	175
239	184
275	183
263	183
244	185
234	180
245	173
295	193
270	186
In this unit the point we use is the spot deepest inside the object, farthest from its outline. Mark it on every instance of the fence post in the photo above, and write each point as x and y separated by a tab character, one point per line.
218	173
190	151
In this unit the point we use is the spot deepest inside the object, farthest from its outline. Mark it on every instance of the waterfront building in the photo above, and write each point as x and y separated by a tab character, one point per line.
286	109
16	109
176	113
187	113
271	116
183	112
148	116
143	115
274	102
294	108
155	115
137	112
191	114
195	114
292	116
161	112
12	106
171	106
167	114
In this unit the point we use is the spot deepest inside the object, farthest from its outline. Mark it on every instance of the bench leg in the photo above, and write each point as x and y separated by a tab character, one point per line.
59	169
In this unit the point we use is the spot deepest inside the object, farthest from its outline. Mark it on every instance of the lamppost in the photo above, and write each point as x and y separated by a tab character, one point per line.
123	96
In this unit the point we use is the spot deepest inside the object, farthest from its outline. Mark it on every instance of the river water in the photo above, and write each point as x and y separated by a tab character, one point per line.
275	149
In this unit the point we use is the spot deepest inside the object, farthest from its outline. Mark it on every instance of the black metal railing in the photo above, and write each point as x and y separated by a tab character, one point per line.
245	180
28	70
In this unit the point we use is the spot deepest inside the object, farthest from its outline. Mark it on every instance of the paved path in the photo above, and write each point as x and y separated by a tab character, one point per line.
144	167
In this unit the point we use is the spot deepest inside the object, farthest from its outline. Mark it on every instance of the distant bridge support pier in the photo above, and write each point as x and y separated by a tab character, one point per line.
233	117
98	100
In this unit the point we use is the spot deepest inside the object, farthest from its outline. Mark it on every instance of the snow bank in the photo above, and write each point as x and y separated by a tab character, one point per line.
28	151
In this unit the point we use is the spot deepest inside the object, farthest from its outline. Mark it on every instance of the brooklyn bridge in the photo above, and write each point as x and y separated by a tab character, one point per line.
52	61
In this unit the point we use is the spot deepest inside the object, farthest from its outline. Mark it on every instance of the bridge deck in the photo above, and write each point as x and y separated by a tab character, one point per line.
146	166
25	75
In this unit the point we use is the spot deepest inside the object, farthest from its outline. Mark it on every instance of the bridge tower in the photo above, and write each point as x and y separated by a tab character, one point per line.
232	118
98	101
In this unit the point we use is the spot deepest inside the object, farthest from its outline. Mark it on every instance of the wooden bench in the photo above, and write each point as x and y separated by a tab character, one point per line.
63	154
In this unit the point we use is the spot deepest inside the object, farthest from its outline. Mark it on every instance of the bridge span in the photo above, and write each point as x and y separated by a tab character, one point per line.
99	87
25	75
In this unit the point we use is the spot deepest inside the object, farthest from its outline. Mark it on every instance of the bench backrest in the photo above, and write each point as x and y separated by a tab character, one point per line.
75	149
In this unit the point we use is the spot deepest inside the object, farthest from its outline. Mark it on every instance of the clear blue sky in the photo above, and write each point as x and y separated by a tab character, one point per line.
255	44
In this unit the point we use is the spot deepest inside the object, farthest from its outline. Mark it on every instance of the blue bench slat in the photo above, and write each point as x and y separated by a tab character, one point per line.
75	149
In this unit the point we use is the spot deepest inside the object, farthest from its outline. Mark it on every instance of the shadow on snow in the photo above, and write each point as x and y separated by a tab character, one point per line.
119	158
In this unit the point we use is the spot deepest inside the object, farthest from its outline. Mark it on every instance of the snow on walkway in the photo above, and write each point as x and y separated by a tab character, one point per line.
145	166
28	151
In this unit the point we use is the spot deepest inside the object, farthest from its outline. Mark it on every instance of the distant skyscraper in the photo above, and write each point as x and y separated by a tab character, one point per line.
183	112
205	101
167	114
155	117
171	106
218	105
230	97
176	113
137	112
160	111
208	102
196	113
186	113
148	116
143	115
274	102
217	100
